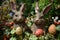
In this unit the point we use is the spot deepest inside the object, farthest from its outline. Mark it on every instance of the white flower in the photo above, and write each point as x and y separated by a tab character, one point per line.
56	18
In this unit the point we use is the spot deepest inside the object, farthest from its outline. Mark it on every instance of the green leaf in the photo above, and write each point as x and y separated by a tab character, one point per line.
7	31
13	31
13	38
33	37
46	38
58	37
49	36
41	4
58	28
41	38
27	34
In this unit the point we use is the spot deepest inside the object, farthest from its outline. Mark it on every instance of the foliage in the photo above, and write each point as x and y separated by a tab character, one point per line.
58	27
13	38
29	13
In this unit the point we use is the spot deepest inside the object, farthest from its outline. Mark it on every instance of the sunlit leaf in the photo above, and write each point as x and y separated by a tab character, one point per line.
13	31
58	28
13	38
33	37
